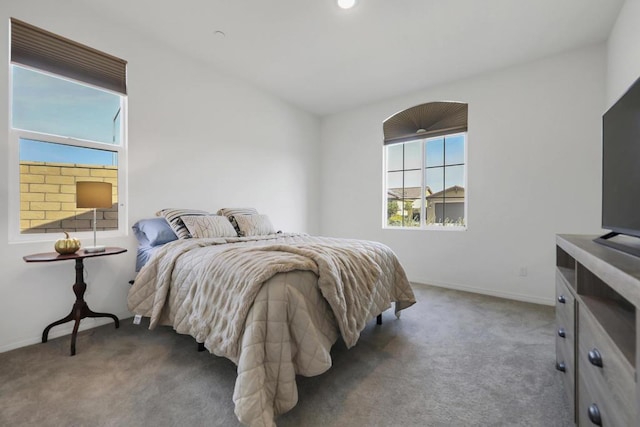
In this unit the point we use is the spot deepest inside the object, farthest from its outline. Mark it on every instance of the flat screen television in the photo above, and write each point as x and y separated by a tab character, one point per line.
621	171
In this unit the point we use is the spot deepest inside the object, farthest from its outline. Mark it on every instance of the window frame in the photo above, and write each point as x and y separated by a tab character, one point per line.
15	134
423	208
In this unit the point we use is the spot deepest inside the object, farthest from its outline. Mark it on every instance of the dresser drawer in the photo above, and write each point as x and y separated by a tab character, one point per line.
587	403
565	353
565	319
563	288
565	337
605	374
594	403
565	364
565	303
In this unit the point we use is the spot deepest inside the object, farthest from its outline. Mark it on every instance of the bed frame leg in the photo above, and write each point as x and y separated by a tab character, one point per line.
200	346
379	319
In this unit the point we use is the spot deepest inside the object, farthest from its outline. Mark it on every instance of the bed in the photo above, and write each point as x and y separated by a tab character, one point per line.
273	303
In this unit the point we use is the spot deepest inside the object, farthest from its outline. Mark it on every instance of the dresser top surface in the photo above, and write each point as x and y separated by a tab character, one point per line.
619	270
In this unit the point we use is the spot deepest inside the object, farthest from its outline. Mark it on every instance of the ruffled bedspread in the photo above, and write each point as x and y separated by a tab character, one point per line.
273	305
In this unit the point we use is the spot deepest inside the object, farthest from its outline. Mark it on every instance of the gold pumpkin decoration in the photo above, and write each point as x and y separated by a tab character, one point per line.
68	245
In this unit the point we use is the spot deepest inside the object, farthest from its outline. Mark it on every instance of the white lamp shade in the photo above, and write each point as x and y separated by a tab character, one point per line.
90	194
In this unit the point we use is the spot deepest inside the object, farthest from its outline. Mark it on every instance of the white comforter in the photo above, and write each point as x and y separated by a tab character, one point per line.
273	305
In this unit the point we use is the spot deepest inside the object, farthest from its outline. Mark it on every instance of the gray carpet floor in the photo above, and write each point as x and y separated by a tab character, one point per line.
453	359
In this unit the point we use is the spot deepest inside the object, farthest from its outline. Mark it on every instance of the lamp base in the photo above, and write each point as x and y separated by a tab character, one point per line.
94	249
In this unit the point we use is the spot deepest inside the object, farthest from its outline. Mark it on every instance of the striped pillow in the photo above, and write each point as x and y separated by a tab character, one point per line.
254	225
230	213
173	217
209	226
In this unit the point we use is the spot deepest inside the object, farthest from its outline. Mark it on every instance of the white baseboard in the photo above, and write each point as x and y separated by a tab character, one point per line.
57	331
499	294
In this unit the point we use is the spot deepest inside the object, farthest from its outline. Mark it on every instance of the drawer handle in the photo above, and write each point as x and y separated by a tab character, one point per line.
595	358
560	366
562	299
594	414
561	333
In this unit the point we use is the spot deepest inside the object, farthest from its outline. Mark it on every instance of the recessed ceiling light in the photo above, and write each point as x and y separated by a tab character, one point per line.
346	4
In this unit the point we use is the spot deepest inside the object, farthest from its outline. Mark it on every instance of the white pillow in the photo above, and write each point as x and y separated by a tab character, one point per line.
230	213
254	225
201	226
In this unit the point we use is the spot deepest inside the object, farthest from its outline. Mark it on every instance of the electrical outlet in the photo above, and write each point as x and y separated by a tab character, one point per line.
523	272
136	319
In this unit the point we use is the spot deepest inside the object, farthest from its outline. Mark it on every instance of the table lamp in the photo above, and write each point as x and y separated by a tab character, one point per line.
93	195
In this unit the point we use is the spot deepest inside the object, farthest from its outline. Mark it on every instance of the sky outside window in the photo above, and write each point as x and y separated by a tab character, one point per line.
38	151
47	104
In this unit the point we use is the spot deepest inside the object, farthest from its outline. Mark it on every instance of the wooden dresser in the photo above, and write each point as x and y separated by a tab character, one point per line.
598	329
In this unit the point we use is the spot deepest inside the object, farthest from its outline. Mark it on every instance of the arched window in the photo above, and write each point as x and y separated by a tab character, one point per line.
425	166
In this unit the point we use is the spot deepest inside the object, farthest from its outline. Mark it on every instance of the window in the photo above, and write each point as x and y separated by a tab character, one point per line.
67	125
425	167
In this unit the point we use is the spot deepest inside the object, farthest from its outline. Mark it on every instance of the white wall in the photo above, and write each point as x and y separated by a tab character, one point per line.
533	171
203	140
623	55
196	139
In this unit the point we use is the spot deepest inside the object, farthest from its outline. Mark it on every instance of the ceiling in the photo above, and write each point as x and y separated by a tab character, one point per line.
324	59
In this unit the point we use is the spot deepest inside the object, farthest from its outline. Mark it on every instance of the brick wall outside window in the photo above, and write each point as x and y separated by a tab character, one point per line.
48	197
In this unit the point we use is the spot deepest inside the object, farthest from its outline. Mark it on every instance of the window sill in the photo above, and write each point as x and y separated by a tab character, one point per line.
86	237
429	228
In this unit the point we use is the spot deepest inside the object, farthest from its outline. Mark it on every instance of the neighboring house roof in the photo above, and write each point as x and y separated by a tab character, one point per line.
413	193
408	193
446	191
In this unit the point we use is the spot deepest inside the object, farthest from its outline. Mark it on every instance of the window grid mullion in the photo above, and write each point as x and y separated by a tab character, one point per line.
423	191
404	147
444	178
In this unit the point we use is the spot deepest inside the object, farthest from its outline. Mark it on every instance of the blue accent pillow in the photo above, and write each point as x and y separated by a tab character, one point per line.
153	232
